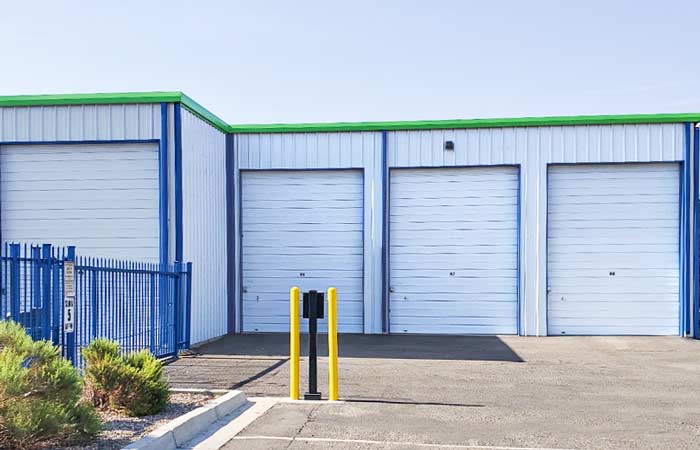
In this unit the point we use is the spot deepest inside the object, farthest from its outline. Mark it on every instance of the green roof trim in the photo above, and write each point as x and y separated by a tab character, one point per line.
204	113
467	123
116	99
221	125
90	99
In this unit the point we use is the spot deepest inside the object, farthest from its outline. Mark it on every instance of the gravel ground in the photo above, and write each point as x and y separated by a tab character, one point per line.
120	431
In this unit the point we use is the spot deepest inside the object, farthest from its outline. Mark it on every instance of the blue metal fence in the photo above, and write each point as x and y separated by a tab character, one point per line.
139	305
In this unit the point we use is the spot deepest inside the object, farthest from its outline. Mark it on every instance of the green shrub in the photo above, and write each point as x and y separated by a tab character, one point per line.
133	384
40	394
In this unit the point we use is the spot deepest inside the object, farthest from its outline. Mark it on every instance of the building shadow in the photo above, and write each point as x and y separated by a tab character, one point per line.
400	346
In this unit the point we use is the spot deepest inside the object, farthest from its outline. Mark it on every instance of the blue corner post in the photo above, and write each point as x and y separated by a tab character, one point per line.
14	282
46	291
696	232
69	336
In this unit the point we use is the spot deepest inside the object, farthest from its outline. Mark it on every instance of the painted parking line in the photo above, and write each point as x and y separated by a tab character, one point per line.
386	443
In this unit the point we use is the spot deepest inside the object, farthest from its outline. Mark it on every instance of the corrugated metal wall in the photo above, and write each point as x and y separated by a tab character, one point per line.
532	148
204	224
328	151
102	198
80	123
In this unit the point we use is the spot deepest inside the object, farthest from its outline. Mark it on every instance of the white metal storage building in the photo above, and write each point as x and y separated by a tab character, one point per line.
534	226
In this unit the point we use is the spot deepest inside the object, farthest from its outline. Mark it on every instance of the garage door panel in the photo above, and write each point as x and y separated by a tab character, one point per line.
611	171
417	249
613	236
453	256
613	198
256	261
102	198
627	272
448	327
472	225
427	211
407	309
561	227
262	217
448	261
77	184
491	201
449	237
611	308
301	229
662	239
506	295
585	265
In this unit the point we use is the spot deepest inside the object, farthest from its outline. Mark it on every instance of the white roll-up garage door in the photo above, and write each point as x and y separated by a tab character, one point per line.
613	243
454	250
301	228
102	198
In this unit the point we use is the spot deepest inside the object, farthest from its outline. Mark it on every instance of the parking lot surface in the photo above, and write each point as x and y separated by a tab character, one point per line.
468	392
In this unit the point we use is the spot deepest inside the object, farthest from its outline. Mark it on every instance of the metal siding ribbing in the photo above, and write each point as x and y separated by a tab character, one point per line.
534	148
204	224
496	146
454	252
305	229
102	198
307	150
80	123
361	150
613	242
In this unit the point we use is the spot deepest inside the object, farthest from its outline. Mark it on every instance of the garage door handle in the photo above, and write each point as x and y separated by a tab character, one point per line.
391	289
245	289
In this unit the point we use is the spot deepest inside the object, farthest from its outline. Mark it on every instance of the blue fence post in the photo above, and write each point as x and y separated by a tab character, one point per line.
56	301
33	319
46	291
95	303
70	337
188	304
36	277
177	305
15	288
153	313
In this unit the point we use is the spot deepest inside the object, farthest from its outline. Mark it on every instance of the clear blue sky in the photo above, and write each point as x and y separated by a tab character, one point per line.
318	61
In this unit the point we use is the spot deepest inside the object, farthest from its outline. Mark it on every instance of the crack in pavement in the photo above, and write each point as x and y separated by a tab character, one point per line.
303	425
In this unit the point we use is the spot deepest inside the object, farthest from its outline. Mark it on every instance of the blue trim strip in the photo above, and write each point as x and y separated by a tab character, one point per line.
178	182
230	237
519	252
239	236
685	263
546	254
163	183
1	207
696	234
681	256
385	236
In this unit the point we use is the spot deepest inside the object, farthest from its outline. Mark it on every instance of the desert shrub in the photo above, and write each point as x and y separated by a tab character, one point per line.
133	384
40	394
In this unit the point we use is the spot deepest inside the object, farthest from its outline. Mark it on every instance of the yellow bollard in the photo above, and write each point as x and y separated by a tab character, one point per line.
294	343
332	344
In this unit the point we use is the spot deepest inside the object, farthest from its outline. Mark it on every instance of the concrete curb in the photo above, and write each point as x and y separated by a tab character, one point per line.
179	431
199	391
233	424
